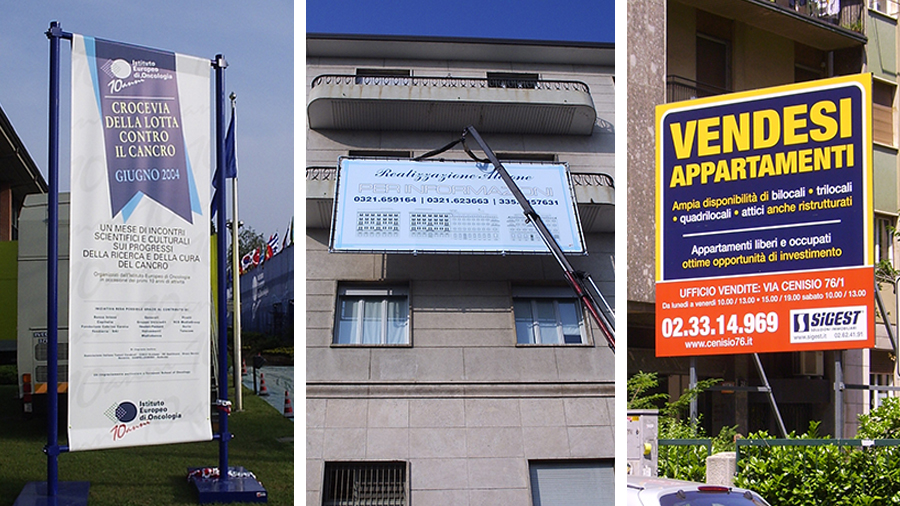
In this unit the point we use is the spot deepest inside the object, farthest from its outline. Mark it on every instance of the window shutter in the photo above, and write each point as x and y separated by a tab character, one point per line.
572	483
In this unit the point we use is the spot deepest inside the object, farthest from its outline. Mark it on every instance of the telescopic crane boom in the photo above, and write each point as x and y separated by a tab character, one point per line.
578	280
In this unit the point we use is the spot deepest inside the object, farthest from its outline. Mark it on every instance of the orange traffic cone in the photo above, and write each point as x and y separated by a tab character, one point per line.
288	409
243	367
262	385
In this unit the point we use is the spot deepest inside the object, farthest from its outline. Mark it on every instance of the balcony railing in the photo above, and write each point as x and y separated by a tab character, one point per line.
451	82
680	88
849	14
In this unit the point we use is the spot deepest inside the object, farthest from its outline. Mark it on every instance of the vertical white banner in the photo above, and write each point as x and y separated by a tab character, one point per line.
139	282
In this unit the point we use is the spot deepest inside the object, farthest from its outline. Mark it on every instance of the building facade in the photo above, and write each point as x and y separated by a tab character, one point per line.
447	404
683	49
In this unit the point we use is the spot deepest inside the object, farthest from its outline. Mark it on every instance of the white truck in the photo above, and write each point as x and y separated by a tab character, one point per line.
31	334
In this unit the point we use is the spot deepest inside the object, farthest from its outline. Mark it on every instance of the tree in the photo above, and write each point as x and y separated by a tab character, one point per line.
249	240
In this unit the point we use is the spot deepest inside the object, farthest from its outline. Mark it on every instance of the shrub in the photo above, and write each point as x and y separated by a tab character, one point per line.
8	375
680	462
816	475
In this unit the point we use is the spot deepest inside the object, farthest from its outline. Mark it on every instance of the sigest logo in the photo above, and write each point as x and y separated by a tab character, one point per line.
801	322
829	325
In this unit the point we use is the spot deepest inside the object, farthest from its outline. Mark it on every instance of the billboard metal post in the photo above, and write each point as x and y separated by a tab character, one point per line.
52	448
52	492
224	484
224	436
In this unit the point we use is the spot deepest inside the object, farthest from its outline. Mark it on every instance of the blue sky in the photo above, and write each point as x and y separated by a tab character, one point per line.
257	39
559	20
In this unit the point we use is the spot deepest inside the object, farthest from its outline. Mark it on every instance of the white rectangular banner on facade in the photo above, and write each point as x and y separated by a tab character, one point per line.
441	206
139	282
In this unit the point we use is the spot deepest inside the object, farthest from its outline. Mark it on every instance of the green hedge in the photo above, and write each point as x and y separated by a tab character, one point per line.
827	475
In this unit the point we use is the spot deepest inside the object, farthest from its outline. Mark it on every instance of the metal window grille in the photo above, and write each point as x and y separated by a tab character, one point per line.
365	484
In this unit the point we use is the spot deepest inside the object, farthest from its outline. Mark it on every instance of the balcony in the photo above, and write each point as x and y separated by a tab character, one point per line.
449	104
827	25
594	194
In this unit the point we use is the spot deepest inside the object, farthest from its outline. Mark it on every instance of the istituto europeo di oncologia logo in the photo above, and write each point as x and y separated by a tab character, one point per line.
127	417
828	325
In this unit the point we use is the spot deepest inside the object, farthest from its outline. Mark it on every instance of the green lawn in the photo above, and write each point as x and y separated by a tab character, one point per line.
148	475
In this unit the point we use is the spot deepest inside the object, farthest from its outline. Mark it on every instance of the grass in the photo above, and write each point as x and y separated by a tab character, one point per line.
148	475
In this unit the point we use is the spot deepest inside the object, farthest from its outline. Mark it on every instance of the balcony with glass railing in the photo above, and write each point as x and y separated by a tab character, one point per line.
436	104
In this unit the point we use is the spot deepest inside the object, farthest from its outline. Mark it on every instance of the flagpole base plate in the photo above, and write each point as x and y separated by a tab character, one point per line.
69	493
239	486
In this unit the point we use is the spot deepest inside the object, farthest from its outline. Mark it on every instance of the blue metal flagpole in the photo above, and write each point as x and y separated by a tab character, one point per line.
221	296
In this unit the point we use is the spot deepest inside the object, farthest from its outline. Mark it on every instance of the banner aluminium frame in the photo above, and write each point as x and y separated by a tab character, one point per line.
223	484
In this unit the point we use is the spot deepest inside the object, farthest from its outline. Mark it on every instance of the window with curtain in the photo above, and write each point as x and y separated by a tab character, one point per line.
548	316
372	316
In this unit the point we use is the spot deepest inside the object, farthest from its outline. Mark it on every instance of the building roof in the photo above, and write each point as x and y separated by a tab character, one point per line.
17	168
459	48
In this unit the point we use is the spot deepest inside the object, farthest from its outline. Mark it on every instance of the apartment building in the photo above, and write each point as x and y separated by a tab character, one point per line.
448	396
684	49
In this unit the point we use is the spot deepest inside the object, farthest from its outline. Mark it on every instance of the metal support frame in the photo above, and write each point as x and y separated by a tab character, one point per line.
692	384
768	387
838	394
576	280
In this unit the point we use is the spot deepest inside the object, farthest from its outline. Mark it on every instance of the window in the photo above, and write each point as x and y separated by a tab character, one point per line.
575	483
884	238
383	77
362	483
889	7
548	316
881	372
379	153
526	157
876	397
512	80
883	111
713	65
372	316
